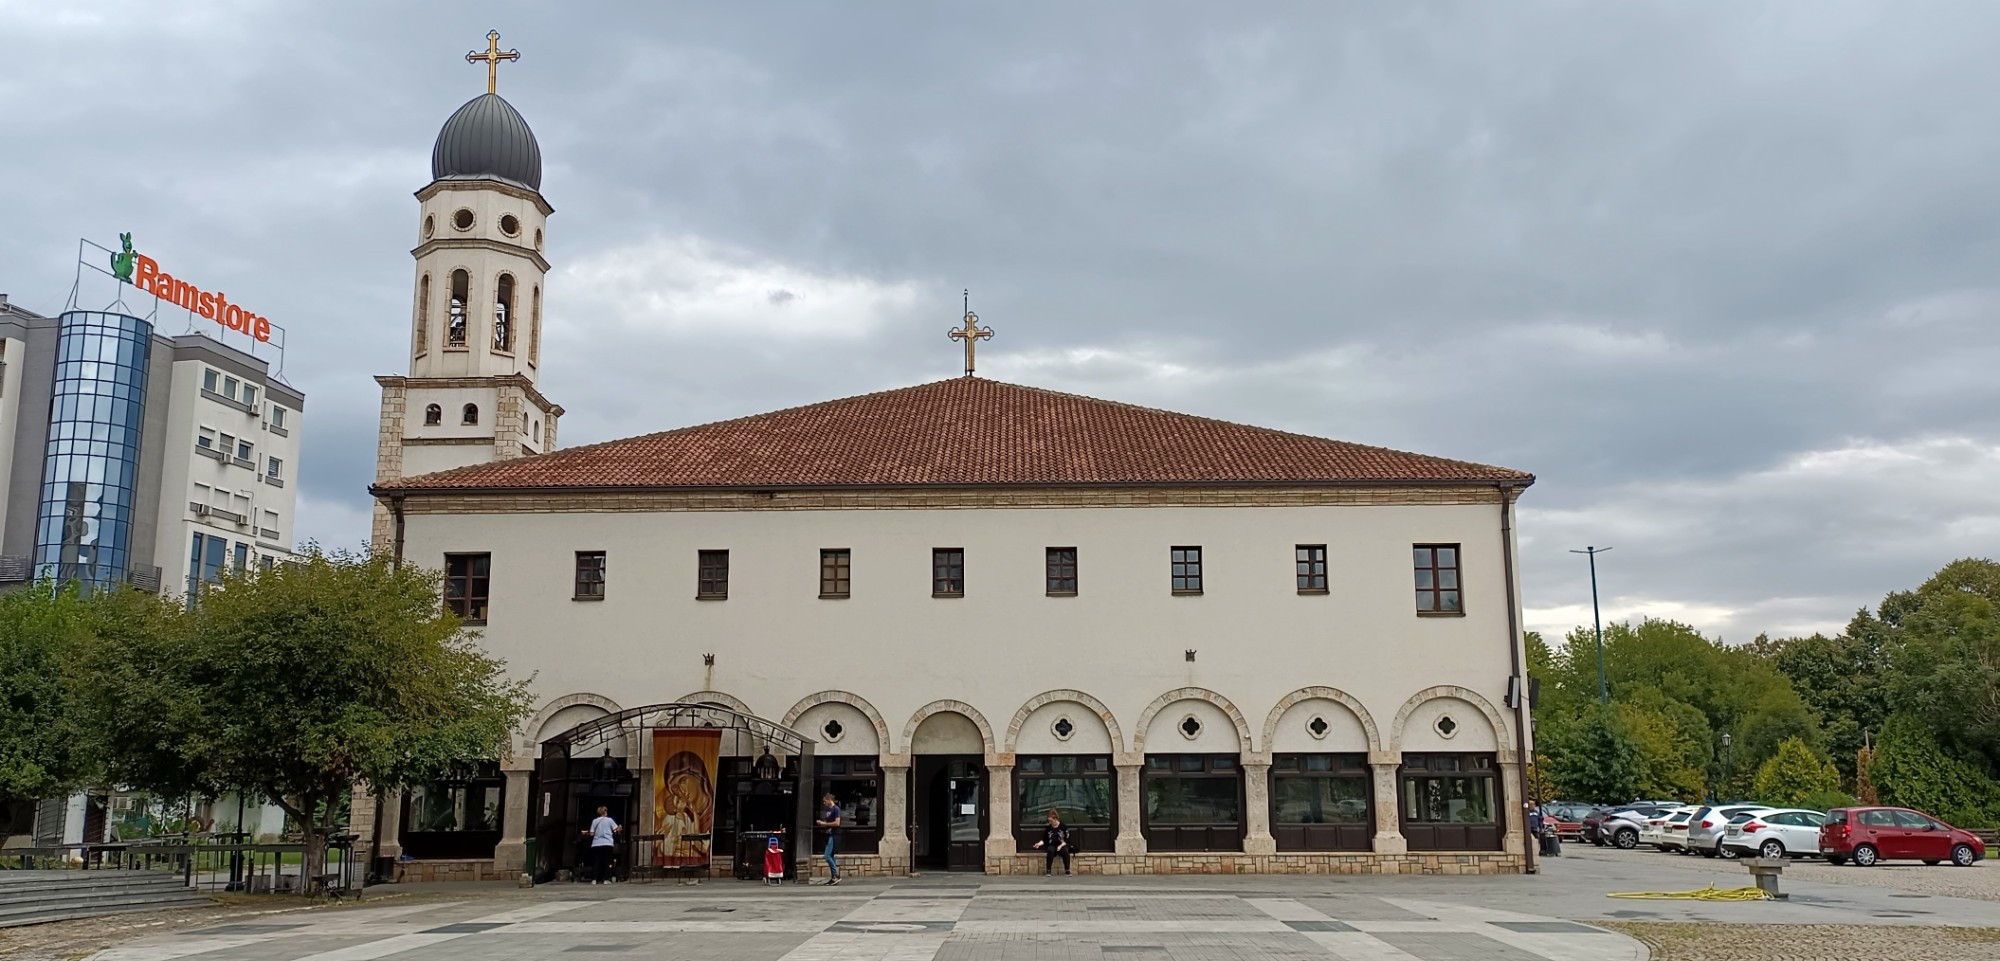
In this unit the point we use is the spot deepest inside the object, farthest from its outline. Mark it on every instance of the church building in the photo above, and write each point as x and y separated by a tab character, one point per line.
955	606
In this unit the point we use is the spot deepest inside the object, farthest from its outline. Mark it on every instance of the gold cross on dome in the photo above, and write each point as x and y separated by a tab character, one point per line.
971	333
492	57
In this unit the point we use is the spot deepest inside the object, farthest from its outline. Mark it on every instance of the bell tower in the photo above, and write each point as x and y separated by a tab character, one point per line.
476	316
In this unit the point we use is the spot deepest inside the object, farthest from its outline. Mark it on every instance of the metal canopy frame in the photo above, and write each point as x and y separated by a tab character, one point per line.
624	733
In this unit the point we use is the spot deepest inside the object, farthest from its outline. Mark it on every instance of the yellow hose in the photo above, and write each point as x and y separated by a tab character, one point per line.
1710	893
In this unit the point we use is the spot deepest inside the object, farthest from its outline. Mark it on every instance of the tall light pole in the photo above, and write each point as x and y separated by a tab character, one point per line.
1597	621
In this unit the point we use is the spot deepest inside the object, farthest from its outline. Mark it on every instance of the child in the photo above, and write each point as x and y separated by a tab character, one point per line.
774	862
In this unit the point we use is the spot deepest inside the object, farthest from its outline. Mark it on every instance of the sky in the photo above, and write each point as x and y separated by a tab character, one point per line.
1723	276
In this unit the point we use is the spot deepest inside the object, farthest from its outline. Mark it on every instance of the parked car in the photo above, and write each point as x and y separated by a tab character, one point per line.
1871	834
1566	817
1783	833
1704	834
1618	827
1667	831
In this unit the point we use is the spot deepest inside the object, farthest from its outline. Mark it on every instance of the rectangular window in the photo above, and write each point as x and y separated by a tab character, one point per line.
206	439
713	575
277	416
1062	571
1437	579
1311	560
1187	570
228	444
242	557
274	467
264	561
835	565
1450	802
243	450
466	584
249	396
589	575
211	381
1080	788
856	785
1320	802
1194	802
948	572
229	387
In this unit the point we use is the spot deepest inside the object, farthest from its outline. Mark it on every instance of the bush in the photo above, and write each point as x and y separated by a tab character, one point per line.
1794	774
1826	801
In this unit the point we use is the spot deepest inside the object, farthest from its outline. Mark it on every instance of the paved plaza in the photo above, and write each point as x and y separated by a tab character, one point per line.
1561	915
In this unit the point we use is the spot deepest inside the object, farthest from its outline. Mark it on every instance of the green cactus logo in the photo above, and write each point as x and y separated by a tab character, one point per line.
121	262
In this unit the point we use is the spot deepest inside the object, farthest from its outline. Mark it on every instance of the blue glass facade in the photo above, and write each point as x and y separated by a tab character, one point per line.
84	527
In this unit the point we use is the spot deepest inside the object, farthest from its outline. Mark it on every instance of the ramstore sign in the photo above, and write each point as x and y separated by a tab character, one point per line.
143	271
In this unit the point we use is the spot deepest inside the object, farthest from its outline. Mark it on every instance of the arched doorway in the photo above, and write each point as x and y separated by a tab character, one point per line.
948	793
673	830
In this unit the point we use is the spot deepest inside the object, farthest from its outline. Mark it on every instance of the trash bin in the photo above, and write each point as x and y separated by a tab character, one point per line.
529	866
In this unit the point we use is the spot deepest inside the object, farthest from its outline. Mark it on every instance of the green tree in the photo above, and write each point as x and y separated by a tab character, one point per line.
44	751
1840	678
1672	738
1910	769
1945	658
300	681
1595	760
1794	775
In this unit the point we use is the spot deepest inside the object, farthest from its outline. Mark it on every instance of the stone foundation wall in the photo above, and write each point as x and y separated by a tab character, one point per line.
871	865
1231	863
470	869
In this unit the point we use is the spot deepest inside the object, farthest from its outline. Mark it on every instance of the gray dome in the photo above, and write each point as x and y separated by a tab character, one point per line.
487	140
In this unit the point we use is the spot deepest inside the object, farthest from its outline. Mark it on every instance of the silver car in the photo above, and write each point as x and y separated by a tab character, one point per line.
1785	832
1705	827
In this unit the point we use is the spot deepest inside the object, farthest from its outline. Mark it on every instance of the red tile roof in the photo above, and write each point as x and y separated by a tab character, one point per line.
961	432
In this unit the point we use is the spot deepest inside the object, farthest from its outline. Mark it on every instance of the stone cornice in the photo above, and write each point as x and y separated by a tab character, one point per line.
446	501
481	243
498	186
519	381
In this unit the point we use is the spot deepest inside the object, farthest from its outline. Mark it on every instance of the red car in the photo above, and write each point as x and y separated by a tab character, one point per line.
1868	835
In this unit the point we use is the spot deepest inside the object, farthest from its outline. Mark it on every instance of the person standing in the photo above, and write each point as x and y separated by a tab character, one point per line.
829	821
1054	843
603	833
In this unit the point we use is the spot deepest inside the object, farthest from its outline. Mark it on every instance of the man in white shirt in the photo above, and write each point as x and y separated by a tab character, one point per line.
602	833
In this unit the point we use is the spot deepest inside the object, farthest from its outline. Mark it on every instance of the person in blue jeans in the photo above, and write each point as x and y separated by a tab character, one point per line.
829	821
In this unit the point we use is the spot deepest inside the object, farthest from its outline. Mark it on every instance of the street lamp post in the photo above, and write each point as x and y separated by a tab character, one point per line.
1597	622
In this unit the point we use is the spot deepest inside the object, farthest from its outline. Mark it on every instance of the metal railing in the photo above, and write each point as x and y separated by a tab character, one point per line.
210	865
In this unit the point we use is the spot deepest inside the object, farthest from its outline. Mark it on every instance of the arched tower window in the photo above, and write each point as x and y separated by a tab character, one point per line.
461	283
433	415
535	328
503	314
471	414
424	314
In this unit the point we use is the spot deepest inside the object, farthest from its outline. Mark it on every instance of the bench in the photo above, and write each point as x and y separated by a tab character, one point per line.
1765	871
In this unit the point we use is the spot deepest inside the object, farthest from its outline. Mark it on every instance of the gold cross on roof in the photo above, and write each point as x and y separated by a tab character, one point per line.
492	57
971	333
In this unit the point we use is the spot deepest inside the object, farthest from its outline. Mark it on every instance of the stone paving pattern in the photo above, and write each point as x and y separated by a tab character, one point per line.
1813	942
908	921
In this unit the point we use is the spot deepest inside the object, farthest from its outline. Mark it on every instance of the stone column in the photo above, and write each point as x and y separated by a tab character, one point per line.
1257	837
1513	813
392	824
1388	806
894	851
1130	840
999	813
511	854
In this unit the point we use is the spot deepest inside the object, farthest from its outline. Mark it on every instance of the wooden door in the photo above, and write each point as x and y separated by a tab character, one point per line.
965	814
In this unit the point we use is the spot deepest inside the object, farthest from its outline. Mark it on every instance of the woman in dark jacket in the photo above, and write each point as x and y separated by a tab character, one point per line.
1054	842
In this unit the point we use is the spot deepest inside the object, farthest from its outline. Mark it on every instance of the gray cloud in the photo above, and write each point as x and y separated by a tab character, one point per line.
1721	276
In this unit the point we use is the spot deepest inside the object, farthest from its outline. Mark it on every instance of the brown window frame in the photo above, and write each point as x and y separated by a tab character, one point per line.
472	607
1435	573
1309	562
1060	569
830	772
589	582
1029	820
837	580
944	560
1322	835
711	579
1184	572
